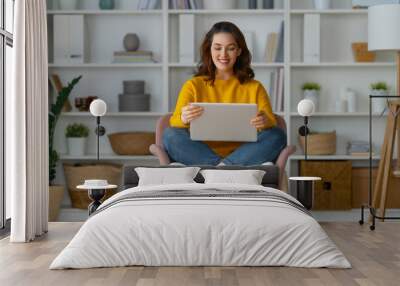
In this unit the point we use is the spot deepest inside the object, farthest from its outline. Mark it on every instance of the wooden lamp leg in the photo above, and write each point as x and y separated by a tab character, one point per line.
378	183
388	161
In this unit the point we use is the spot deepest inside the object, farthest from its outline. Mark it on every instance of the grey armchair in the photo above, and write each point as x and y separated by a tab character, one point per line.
157	149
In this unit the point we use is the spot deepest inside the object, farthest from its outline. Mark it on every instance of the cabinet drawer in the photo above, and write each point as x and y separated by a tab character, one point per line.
333	192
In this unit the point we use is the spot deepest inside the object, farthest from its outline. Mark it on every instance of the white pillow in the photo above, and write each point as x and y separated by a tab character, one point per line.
249	177
165	176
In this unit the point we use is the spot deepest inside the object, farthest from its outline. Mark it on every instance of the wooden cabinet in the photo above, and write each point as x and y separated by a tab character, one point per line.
333	192
360	181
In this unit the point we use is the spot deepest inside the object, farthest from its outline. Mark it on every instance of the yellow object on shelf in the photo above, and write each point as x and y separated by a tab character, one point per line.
361	53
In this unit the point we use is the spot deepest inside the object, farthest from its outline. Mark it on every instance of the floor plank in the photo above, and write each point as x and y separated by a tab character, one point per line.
375	257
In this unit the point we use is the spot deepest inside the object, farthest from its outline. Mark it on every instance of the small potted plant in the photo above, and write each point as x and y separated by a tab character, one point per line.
76	134
311	91
379	88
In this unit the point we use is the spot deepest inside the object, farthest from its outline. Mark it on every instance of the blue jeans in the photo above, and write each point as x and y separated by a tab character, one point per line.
182	149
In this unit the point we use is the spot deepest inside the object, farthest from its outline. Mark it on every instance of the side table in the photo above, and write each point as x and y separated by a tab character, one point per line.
305	190
96	192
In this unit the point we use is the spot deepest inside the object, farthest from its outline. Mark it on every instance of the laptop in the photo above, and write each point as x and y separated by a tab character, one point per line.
224	122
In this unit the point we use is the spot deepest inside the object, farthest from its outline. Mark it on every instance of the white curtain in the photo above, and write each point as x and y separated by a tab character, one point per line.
27	123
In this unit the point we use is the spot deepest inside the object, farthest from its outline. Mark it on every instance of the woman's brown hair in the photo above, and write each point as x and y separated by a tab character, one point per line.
241	69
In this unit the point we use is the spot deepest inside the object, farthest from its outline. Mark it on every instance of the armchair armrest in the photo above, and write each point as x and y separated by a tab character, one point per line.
282	159
160	153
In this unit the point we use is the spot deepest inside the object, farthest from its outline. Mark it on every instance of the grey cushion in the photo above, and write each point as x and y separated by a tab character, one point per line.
271	178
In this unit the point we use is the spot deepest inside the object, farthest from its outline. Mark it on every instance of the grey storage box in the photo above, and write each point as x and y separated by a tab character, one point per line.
133	86
134	102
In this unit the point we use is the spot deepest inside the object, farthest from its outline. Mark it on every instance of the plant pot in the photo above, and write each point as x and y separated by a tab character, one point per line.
322	4
76	146
56	194
312	95
68	4
379	104
219	5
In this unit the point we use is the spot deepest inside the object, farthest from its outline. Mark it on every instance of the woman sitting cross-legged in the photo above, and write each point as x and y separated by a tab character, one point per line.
224	76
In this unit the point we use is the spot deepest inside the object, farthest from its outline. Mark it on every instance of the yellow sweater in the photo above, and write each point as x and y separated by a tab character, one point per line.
198	89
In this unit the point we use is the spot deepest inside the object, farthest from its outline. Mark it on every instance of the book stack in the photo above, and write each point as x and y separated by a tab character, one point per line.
133	57
358	148
148	4
274	47
186	4
276	90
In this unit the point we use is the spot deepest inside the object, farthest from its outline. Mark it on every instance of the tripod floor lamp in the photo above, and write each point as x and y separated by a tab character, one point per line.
384	35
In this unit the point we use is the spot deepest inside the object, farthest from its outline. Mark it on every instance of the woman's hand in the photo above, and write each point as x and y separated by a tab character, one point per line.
259	121
190	112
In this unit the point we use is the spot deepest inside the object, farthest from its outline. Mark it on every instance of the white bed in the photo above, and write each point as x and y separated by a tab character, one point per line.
206	230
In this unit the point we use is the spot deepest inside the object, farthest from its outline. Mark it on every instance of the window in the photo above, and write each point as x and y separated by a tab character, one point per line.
6	44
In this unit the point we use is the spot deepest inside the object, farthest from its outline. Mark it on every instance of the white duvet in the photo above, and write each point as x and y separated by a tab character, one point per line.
200	231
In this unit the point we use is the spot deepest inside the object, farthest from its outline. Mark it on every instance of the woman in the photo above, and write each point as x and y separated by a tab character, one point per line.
224	76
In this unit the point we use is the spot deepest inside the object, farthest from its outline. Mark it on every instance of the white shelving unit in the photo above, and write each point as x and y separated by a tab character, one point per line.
158	32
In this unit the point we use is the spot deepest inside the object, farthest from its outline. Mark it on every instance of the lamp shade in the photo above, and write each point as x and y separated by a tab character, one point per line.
98	107
305	107
383	27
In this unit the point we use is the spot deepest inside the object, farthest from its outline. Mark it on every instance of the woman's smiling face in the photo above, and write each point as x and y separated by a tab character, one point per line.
224	51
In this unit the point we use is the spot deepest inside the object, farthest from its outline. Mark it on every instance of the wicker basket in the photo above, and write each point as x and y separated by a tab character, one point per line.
361	53
56	194
320	143
132	143
77	174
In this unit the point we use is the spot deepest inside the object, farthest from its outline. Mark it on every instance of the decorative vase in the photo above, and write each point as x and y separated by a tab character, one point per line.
131	42
379	104
106	4
68	4
351	101
76	146
219	5
312	95
322	4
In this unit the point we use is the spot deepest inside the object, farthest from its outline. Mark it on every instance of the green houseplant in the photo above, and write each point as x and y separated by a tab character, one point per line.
76	134
56	192
379	88
54	114
311	92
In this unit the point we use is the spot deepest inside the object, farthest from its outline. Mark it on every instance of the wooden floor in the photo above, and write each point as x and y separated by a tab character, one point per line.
375	257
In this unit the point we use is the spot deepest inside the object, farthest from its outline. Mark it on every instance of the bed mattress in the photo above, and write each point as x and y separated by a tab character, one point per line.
201	225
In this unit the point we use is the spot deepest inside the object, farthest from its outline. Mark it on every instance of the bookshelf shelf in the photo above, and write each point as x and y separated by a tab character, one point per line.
343	64
104	12
339	114
332	157
107	65
109	157
330	11
254	65
114	114
229	12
